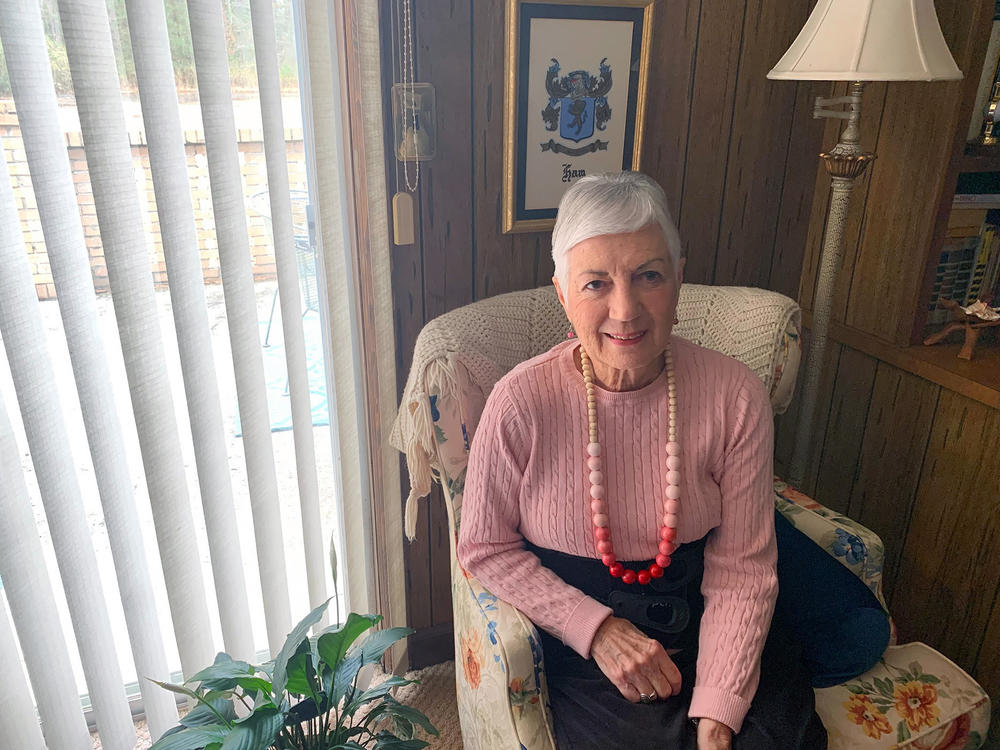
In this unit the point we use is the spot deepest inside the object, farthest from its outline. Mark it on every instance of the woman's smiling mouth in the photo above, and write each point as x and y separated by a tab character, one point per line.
626	339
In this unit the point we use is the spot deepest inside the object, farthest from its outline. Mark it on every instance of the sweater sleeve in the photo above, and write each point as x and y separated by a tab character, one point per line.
740	583
490	545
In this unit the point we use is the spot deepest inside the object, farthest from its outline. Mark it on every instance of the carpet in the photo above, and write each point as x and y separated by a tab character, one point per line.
279	404
434	697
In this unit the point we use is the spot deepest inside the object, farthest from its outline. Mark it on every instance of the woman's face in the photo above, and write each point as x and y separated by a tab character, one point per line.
621	296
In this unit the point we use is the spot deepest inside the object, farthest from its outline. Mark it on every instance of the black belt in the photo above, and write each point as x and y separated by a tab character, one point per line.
666	606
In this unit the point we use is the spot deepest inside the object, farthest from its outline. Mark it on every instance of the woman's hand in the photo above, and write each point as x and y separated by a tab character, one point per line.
634	663
714	735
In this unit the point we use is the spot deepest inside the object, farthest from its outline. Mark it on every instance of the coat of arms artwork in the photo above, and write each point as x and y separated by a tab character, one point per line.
575	100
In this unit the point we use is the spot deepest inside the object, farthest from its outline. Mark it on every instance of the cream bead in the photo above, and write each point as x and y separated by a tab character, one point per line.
594	463
673	477
596	478
594	449
673	463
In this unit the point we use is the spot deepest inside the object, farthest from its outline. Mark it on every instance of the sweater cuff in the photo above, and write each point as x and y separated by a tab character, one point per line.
582	624
712	703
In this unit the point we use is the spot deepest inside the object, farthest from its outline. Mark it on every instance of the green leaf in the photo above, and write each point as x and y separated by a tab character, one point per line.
376	643
386	741
402	727
334	644
191	738
222	675
291	647
856	689
902	733
302	711
379	691
414	716
344	677
884	686
256	732
253	684
301	675
929	678
203	715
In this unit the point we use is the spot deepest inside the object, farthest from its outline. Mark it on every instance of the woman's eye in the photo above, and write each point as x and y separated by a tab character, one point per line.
594	285
652	276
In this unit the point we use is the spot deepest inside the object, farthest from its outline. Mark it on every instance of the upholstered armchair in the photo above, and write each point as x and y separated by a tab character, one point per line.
914	697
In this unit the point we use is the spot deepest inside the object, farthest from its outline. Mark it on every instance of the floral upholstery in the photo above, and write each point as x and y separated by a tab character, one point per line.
914	698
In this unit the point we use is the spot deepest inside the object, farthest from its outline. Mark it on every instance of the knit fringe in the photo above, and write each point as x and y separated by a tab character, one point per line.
417	436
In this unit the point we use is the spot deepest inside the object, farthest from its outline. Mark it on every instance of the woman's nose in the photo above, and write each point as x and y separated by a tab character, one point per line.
624	304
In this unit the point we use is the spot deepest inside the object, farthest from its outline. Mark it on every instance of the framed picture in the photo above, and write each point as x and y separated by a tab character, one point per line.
575	99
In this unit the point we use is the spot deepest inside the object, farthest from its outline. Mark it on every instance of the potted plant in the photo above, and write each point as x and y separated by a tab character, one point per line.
307	698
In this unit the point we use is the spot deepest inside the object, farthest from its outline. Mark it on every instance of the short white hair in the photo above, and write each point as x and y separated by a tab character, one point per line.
610	203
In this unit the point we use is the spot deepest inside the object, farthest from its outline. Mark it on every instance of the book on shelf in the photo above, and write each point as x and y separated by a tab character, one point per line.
953	274
990	74
986	254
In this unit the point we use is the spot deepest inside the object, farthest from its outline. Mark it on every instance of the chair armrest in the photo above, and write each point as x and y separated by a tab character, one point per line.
857	548
502	694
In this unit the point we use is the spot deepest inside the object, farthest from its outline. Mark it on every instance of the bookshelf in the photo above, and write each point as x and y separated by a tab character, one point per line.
898	221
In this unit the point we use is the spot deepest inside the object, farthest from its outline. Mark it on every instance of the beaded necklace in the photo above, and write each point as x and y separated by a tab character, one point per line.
598	501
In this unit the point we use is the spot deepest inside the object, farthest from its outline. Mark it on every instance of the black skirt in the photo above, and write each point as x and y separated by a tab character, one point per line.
589	712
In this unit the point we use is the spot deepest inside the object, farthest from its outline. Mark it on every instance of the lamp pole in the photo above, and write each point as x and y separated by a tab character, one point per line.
844	163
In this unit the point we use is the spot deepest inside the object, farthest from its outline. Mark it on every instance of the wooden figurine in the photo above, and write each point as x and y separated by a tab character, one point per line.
971	322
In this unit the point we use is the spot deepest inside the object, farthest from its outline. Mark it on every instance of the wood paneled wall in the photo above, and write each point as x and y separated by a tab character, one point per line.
916	463
735	153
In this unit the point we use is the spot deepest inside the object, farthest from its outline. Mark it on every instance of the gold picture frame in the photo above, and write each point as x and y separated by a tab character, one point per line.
543	39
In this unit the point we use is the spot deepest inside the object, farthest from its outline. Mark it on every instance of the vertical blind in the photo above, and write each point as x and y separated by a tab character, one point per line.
27	590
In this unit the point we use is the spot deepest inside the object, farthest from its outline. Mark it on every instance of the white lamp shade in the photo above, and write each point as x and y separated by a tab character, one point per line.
869	40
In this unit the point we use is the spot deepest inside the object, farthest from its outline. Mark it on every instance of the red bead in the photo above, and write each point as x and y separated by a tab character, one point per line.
628	576
663	561
616	570
656	571
608	560
643	577
602	533
666	548
668	534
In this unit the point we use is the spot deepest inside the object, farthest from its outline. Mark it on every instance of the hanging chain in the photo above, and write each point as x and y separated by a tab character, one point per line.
407	79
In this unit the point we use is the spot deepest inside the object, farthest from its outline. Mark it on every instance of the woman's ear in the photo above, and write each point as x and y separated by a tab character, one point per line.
559	292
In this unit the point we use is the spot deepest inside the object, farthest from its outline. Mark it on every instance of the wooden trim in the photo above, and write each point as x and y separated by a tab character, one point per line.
360	232
978	379
432	645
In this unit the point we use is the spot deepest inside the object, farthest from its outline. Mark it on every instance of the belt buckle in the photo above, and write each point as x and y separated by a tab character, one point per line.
668	614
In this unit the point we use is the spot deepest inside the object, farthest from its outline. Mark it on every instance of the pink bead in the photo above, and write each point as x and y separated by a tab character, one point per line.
598	506
668	534
594	449
608	560
628	576
673	463
601	520
666	548
605	548
673	449
670	520
596	478
674	477
663	561
602	534
594	463
671	506
597	491
673	492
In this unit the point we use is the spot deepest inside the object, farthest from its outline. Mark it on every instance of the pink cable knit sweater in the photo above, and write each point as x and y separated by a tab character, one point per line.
527	479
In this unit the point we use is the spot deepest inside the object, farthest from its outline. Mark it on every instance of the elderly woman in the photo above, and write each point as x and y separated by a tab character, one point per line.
619	493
